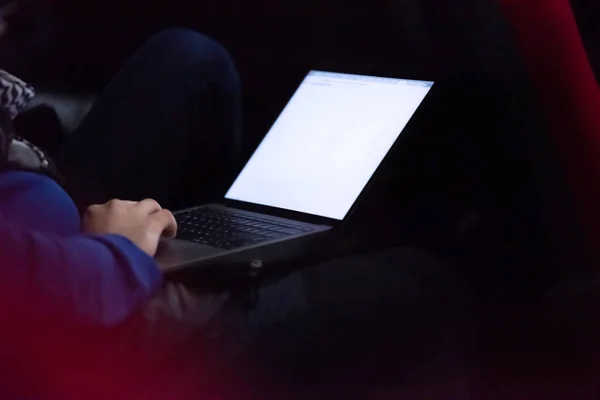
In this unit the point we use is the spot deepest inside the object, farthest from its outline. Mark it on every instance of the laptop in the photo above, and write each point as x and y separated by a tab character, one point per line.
306	175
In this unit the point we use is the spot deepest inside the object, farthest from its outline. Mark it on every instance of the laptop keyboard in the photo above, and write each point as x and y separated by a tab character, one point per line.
228	230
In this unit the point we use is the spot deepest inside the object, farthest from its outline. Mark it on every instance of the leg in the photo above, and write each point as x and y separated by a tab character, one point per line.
395	319
167	127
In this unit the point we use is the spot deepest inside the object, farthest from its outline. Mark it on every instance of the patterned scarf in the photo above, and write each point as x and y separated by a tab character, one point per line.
17	153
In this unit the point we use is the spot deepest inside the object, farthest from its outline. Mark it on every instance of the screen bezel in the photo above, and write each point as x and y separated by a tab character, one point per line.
409	130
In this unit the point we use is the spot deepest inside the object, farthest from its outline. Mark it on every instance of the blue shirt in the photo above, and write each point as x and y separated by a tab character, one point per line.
49	267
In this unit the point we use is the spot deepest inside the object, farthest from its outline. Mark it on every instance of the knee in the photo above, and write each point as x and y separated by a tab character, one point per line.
188	47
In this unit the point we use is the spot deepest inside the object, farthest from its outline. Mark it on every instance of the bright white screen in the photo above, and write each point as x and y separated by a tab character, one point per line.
327	143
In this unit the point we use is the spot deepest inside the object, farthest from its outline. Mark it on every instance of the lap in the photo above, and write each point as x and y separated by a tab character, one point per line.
365	318
372	319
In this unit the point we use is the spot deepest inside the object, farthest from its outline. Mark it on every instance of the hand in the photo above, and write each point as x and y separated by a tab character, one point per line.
144	222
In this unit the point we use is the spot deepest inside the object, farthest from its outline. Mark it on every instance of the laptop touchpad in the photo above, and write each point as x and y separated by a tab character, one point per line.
174	253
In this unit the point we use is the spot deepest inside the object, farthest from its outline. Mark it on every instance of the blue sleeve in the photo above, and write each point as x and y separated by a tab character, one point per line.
98	280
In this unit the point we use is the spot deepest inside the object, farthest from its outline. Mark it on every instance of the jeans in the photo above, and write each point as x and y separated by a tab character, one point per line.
395	320
168	127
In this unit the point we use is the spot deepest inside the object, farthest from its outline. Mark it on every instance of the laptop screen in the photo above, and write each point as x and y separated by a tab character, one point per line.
328	142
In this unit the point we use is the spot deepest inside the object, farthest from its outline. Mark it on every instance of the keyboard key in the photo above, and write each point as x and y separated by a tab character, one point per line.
227	230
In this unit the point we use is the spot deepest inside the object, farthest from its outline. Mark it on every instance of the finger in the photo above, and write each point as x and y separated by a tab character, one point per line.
165	222
148	206
171	229
93	208
118	203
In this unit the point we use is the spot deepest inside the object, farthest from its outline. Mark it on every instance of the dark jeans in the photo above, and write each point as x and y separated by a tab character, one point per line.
391	323
168	127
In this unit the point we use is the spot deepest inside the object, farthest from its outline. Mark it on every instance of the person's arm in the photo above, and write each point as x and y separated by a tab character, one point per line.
551	47
97	280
